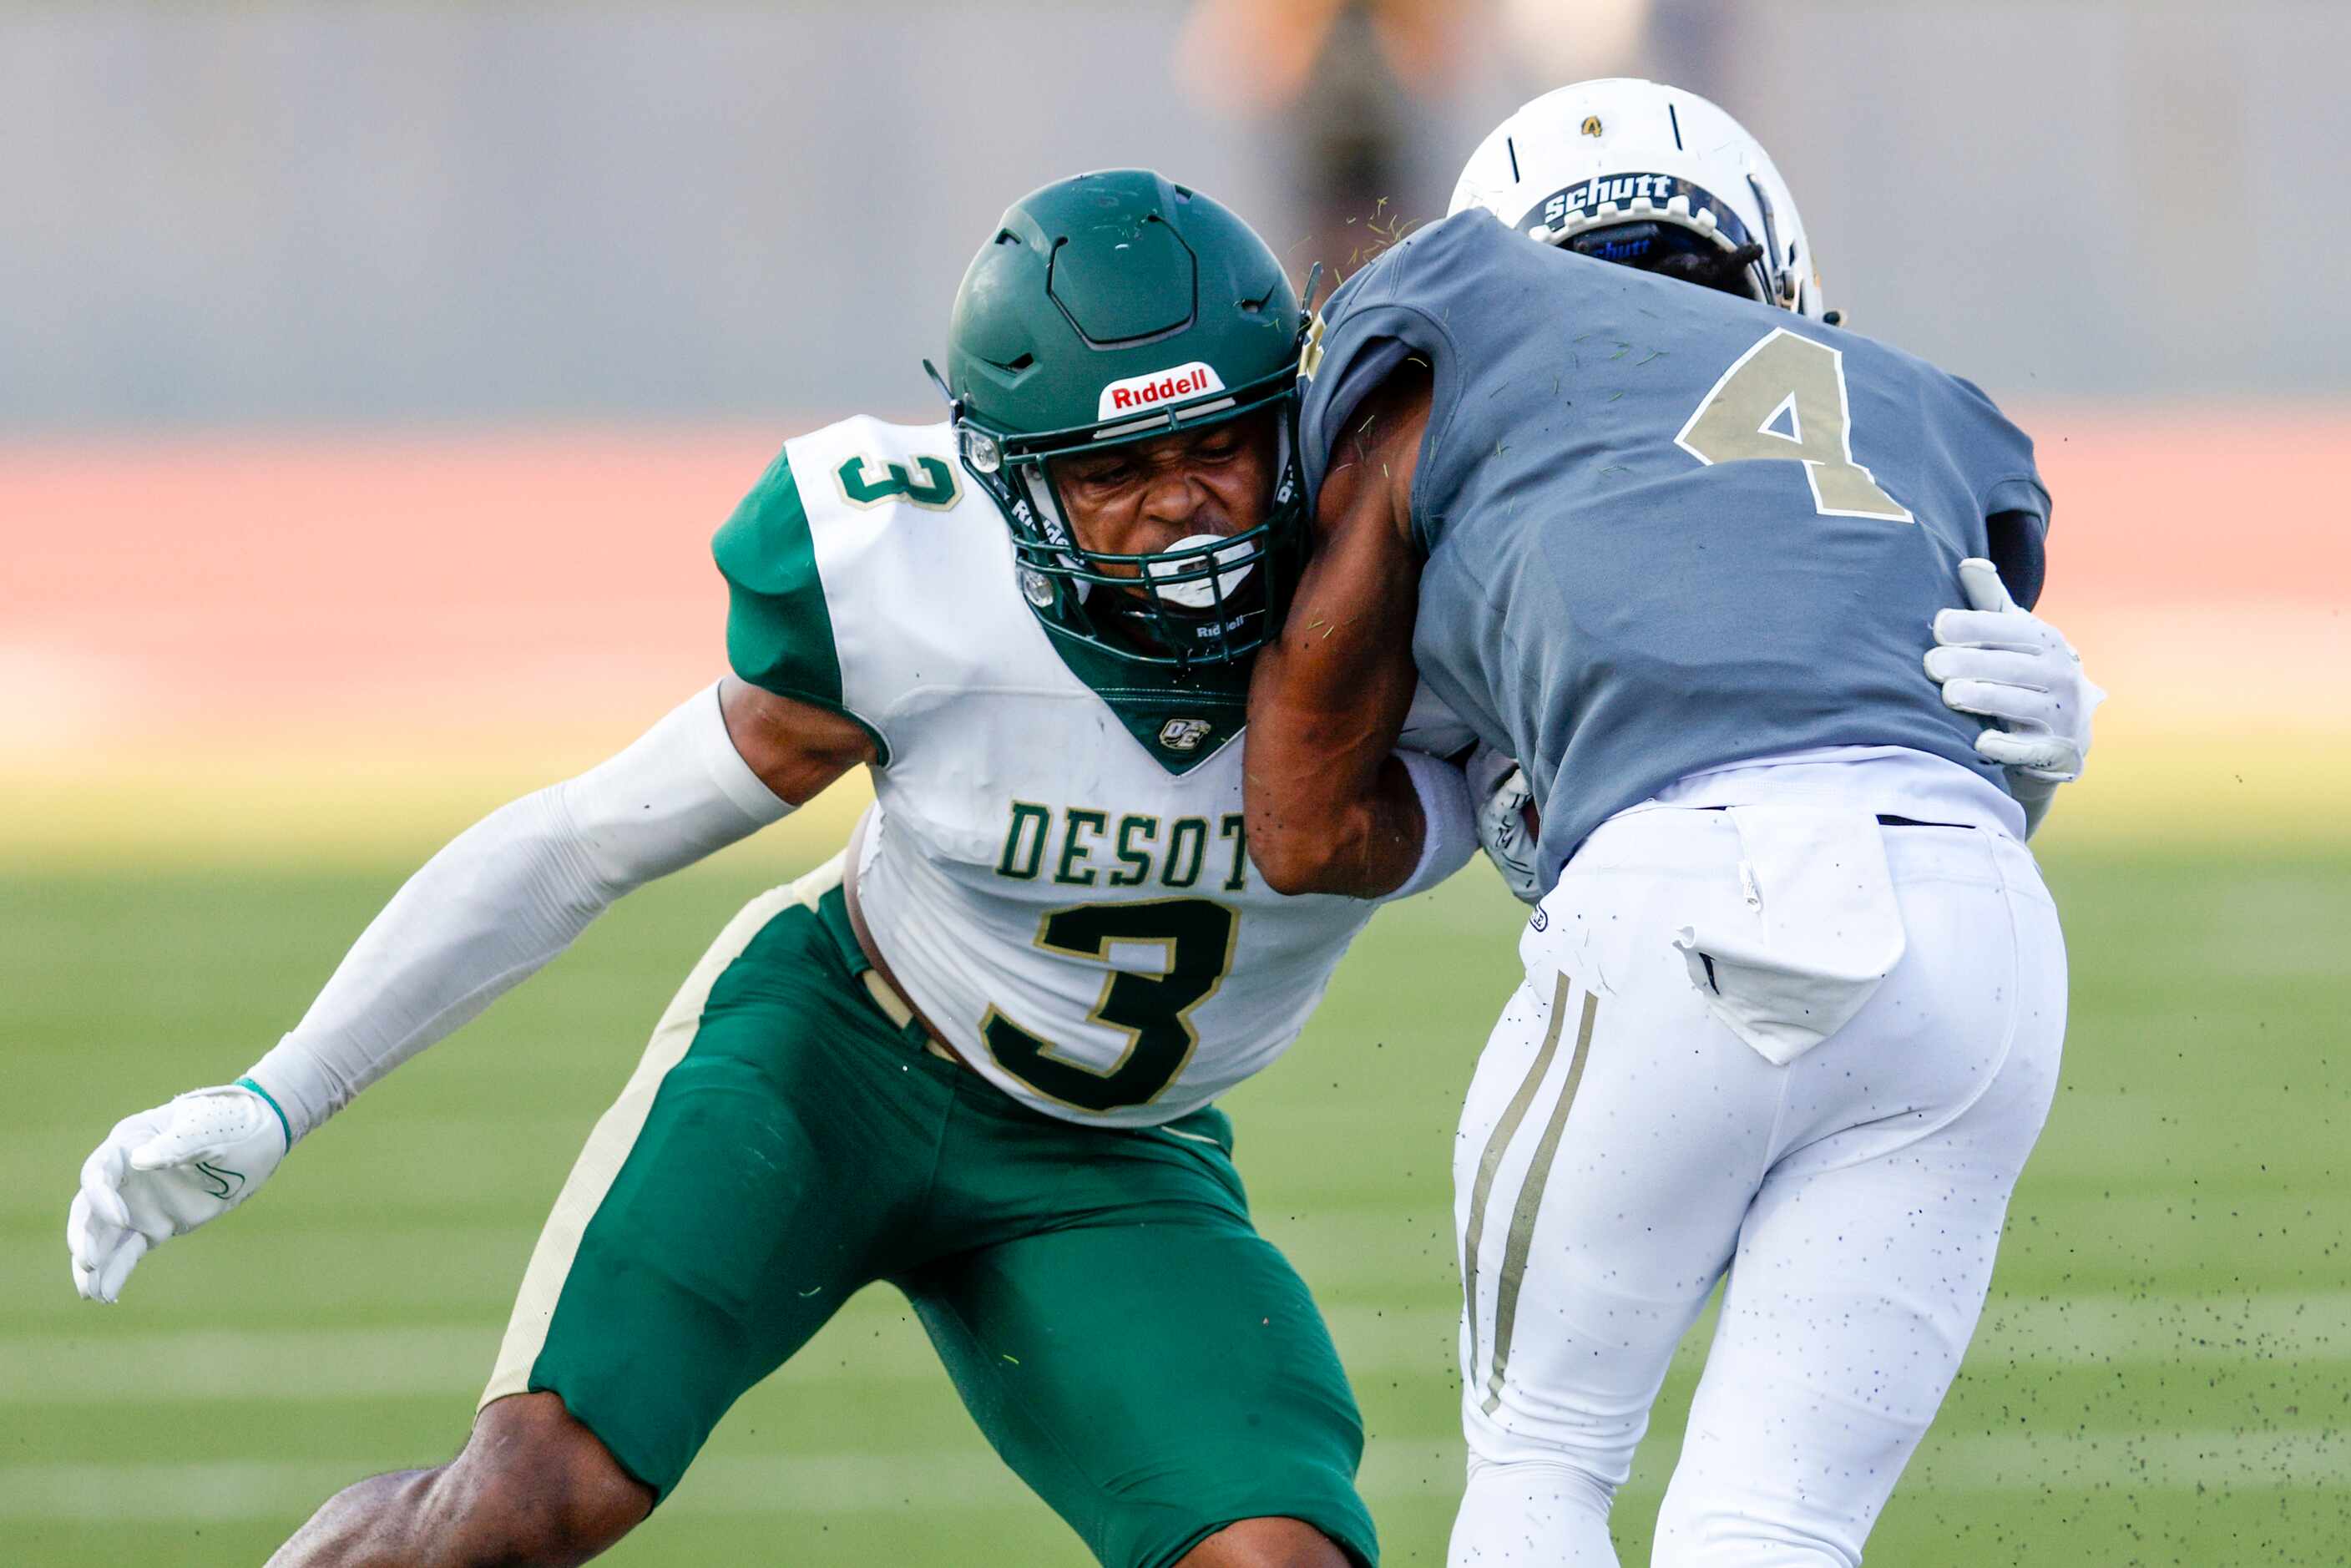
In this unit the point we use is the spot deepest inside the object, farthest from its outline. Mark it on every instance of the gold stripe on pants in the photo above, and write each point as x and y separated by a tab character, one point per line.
1497	1143
1520	1236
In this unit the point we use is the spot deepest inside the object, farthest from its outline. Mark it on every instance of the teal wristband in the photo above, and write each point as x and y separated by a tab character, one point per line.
283	1125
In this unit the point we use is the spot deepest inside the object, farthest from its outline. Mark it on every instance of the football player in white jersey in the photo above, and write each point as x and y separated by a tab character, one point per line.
973	1057
1794	1017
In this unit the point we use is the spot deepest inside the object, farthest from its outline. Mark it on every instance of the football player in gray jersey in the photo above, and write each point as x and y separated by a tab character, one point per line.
1794	992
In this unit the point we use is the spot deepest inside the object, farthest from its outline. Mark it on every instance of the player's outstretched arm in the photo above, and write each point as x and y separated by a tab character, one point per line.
2001	662
1331	807
506	896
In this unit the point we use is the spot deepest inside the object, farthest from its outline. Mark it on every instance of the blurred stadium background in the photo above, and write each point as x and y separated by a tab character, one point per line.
371	378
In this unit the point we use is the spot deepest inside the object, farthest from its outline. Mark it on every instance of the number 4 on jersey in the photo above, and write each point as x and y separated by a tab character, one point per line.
1784	400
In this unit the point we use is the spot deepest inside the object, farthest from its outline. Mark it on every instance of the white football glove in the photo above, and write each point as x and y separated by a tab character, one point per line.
162	1173
1505	829
2005	664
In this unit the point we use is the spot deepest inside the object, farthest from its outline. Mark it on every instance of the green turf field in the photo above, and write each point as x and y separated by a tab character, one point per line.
2164	1375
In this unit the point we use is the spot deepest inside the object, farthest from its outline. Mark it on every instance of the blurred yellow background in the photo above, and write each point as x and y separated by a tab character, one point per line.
263	644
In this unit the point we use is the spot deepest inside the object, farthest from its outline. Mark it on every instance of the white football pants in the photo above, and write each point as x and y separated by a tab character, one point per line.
1621	1149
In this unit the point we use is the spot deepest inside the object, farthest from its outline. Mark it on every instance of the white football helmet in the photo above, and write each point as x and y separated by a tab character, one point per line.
1620	168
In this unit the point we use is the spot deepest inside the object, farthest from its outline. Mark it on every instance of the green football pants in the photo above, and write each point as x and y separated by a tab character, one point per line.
1137	1354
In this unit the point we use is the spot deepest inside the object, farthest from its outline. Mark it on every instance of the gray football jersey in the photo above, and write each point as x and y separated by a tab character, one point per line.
1667	528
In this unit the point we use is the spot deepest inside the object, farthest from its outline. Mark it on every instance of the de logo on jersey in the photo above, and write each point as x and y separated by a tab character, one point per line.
1185	733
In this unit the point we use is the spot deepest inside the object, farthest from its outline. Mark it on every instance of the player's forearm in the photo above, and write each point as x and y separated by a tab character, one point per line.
501	900
1329	809
1364	845
507	895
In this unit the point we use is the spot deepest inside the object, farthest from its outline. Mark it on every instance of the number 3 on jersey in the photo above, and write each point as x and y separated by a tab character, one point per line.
1784	400
1151	1010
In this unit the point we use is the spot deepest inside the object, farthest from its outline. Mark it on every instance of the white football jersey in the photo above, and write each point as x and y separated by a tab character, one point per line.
1056	871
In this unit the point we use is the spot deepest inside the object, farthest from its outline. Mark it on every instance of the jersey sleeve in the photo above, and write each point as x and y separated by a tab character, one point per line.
2013	499
779	628
1390	310
2016	532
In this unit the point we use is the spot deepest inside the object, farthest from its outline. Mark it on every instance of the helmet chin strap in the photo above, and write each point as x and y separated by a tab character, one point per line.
1048	504
1779	279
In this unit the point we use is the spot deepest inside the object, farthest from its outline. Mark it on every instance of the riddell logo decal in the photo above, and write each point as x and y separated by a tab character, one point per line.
1138	393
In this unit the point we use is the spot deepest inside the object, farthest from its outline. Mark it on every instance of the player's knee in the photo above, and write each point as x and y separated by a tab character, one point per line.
1578	1454
1704	1535
1272	1542
533	1486
1549	1493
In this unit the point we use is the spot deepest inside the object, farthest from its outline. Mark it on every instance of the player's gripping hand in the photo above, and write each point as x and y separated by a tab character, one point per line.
2005	664
162	1173
1506	819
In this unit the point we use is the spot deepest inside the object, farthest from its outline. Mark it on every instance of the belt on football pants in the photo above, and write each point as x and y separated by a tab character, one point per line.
1885	820
880	983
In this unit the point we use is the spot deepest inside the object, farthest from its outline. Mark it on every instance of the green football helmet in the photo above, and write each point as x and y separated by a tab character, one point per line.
1117	307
